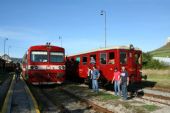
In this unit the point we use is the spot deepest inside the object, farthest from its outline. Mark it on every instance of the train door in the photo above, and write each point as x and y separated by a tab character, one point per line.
138	63
77	66
131	65
123	58
111	65
102	63
83	71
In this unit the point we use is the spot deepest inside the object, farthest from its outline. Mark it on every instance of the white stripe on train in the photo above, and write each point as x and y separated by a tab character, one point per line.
46	67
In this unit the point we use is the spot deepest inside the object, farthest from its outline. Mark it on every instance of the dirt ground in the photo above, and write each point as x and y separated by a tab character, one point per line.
115	103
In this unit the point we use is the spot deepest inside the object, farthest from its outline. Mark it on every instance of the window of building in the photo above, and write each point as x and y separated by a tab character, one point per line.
111	58
103	58
123	58
84	60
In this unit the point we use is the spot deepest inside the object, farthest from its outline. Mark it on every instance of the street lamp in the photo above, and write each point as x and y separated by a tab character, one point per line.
60	38
103	12
8	49
4	45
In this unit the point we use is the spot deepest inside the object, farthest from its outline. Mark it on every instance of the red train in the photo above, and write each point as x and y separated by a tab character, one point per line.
106	59
44	64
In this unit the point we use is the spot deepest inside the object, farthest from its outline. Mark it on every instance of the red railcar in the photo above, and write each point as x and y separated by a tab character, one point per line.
44	64
106	59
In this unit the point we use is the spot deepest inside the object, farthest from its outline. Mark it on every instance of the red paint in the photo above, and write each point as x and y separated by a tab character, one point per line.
43	72
107	68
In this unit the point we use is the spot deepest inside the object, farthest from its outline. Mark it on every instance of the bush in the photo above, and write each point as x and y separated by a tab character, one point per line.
150	63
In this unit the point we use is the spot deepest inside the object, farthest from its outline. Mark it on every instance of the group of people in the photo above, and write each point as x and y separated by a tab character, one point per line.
93	76
120	80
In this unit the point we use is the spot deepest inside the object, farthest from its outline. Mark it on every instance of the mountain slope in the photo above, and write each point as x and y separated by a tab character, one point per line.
163	51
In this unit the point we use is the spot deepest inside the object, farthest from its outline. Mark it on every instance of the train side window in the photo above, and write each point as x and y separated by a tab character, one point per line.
103	58
138	58
78	59
111	58
92	59
84	60
123	58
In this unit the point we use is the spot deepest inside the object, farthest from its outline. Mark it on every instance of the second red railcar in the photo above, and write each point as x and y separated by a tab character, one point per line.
106	59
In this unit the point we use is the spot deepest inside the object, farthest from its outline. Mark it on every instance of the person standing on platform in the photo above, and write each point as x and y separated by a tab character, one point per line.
124	82
89	77
17	71
95	76
116	80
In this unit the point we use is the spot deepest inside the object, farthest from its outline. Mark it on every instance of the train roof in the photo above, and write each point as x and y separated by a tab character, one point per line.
108	48
44	46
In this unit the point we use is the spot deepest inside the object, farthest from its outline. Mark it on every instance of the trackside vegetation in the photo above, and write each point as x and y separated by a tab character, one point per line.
150	63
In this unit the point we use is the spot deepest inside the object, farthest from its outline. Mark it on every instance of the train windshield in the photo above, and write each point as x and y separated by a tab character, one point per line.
56	57
39	56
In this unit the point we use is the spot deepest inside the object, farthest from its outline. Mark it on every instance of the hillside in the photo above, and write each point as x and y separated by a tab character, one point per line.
163	51
15	60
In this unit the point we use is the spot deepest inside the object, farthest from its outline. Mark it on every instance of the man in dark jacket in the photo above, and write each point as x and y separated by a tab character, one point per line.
17	71
124	82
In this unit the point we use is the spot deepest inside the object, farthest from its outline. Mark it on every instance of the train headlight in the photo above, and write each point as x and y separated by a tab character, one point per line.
34	67
63	67
60	67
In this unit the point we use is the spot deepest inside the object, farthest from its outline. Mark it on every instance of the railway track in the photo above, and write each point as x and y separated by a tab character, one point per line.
157	96
62	101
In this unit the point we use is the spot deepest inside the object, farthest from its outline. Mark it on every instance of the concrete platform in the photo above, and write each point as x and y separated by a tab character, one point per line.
19	99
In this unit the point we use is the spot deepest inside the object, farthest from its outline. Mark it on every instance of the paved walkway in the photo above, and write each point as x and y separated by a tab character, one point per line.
21	101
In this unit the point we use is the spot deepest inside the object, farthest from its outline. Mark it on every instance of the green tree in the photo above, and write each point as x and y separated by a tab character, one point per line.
150	63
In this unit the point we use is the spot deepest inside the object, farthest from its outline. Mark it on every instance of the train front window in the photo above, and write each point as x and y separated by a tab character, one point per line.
39	56
123	58
56	57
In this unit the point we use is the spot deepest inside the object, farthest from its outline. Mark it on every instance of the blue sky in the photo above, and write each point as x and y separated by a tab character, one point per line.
143	23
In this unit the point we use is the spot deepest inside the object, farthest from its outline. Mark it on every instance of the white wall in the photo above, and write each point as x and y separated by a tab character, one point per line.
163	59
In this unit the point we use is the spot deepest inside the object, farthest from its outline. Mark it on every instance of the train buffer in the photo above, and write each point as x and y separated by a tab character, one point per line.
19	99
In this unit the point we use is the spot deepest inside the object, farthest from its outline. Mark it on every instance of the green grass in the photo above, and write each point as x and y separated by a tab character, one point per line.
161	77
161	80
150	107
102	95
105	96
163	51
